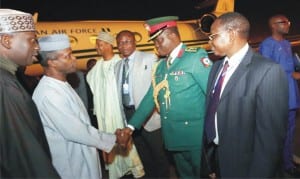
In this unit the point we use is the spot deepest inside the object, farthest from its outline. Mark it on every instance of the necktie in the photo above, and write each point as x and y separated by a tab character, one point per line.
212	106
125	83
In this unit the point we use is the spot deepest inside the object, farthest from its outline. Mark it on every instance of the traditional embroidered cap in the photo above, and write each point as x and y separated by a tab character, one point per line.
54	42
15	21
156	26
106	37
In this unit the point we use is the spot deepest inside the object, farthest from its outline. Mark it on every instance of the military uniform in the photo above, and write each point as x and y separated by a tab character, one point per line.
181	102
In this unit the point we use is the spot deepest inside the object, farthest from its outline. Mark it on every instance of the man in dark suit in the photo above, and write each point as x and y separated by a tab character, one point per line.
249	121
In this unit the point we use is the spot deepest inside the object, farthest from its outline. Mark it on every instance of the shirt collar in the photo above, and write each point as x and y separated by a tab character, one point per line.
175	51
237	57
8	65
130	57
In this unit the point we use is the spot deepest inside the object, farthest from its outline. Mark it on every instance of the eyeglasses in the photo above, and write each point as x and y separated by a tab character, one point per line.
283	22
213	36
126	42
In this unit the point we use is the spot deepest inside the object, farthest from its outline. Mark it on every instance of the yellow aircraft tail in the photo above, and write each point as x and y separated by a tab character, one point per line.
224	6
35	17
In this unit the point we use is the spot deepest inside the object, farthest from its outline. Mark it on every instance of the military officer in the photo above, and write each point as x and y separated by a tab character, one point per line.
178	91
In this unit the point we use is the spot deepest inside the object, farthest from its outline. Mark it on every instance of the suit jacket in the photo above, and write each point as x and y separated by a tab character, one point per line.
142	75
252	117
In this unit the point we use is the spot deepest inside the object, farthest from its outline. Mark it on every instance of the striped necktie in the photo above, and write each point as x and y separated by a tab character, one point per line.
213	104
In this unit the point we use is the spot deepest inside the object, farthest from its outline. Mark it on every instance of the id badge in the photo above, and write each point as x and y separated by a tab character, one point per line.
125	88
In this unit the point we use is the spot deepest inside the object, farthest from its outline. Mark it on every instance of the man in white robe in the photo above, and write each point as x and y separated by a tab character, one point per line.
72	139
102	82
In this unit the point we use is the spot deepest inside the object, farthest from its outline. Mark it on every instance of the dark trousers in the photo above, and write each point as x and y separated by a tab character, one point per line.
288	143
188	163
150	147
210	160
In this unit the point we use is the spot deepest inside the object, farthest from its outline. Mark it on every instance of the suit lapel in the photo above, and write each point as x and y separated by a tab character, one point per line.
241	70
138	61
118	72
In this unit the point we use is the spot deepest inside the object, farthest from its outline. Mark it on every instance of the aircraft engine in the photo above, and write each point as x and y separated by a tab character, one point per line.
205	22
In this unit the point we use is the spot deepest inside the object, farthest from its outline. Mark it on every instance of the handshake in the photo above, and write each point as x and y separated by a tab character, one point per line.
123	147
124	138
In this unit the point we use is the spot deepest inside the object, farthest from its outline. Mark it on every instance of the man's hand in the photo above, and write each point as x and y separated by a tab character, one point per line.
296	75
123	137
212	176
124	141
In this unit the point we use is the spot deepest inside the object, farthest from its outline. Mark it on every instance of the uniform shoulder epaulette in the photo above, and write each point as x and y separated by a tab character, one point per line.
191	49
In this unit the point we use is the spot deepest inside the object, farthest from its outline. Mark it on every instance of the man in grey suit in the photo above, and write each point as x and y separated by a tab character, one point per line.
249	119
133	85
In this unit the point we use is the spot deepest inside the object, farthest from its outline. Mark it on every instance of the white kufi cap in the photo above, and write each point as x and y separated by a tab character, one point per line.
54	42
106	37
15	21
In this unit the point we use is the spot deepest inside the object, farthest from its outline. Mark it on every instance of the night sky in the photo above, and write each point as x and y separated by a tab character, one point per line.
52	10
60	10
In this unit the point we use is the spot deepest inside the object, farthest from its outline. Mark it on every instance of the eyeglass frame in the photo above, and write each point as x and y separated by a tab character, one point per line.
125	42
283	22
212	36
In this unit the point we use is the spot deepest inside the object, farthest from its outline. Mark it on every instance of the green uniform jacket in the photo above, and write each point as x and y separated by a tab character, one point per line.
183	121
